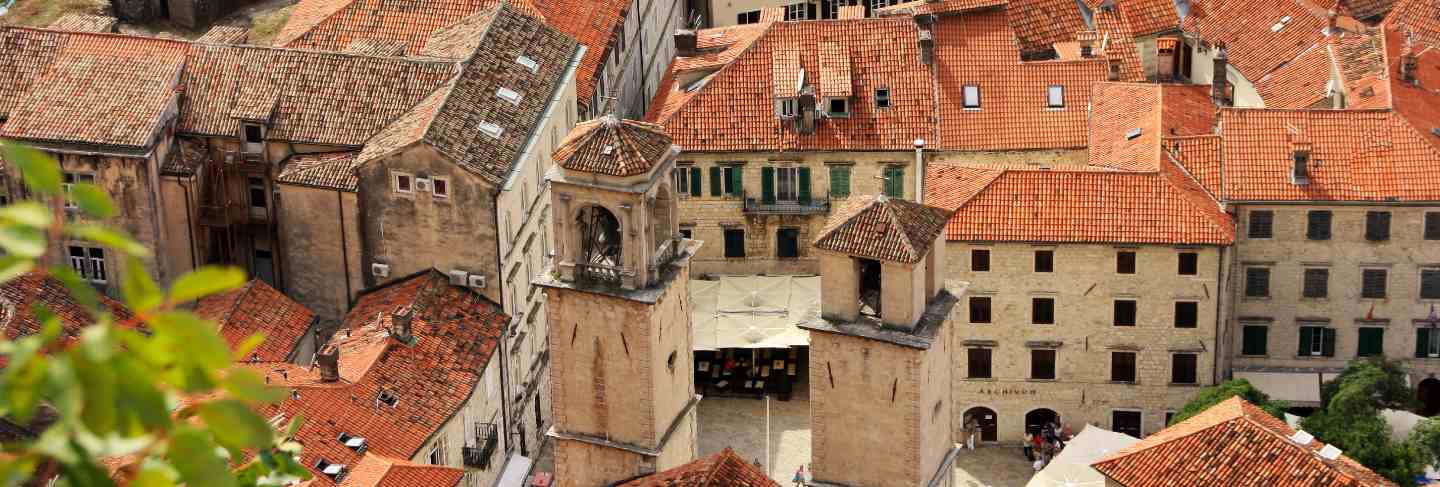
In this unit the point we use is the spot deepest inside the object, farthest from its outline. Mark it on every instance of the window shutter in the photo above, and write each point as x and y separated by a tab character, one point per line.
767	185
1327	342
1422	340
737	176
1305	339
839	182
804	185
715	181
895	182
695	181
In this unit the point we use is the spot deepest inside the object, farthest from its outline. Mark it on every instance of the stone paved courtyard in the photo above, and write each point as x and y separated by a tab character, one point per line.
739	423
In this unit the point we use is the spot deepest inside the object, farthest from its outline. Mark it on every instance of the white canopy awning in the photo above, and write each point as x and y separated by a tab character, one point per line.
1296	388
1071	468
753	311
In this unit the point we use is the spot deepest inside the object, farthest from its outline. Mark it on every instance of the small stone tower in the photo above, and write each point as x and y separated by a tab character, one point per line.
621	363
880	367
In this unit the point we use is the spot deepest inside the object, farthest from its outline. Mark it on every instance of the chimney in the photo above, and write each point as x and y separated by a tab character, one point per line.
329	361
1219	79
1332	21
805	120
1408	61
1114	69
927	47
687	43
400	323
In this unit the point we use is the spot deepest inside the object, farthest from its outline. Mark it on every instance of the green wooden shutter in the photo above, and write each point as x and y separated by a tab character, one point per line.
695	181
1422	342
1255	340
737	180
839	181
715	181
767	185
1372	342
804	185
1305	338
1327	342
895	182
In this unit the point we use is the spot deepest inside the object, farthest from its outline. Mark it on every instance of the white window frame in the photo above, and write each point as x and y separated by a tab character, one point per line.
787	107
830	103
90	264
888	101
787	176
70	180
438	182
680	176
796	11
397	176
1055	97
969	94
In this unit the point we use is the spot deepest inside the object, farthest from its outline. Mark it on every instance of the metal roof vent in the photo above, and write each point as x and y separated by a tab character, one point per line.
1302	438
509	95
1133	133
609	149
528	63
1329	452
491	129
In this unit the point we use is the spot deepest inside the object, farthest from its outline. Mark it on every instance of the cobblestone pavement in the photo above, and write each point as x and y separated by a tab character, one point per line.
992	466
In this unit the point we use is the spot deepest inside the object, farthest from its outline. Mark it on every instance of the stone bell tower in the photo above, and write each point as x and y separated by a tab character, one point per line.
880	357
623	395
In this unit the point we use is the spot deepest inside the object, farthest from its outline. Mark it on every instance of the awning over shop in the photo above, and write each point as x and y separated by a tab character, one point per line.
753	311
1296	388
1071	468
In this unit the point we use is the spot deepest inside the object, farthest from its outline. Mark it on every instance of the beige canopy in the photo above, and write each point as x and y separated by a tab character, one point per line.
1296	388
753	311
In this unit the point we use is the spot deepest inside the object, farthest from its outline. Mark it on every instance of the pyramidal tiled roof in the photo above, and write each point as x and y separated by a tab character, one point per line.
724	469
1232	443
883	228
613	147
258	308
382	471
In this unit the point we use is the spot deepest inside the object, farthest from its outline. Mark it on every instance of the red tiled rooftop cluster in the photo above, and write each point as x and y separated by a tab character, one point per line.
258	308
613	147
878	227
724	469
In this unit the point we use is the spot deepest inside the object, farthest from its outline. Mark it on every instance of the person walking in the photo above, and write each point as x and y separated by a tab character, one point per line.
972	428
800	476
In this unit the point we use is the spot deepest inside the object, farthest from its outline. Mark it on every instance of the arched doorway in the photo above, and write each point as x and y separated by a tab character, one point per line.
988	422
1428	392
1036	419
599	236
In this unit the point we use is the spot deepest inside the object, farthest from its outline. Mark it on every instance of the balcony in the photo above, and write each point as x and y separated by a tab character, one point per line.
600	273
478	452
813	206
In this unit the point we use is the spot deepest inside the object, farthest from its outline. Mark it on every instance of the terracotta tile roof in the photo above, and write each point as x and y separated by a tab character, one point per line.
882	53
318	97
1301	83
724	469
1262	37
1361	59
19	296
330	170
613	147
453	120
226	34
1356	155
593	23
1116	41
938	7
98	89
1148	16
1198	156
1088	205
258	308
834	71
25	54
979	49
1039	24
376	47
455	335
460	40
1125	126
1417	103
1418	17
1232	443
82	22
882	228
381	471
1364	9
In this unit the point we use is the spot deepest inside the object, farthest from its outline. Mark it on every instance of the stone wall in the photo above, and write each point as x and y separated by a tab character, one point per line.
321	256
865	393
482	407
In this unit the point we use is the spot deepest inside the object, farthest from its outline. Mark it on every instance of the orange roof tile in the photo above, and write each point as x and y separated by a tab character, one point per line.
1118	44
456	332
1361	59
96	89
979	49
1262	37
614	147
1301	83
724	469
258	308
1039	24
882	228
83	22
1149	16
1365	9
938	7
19	296
25	54
834	70
1232	443
739	80
1080	205
1356	155
1419	17
381	471
328	170
1417	103
1149	112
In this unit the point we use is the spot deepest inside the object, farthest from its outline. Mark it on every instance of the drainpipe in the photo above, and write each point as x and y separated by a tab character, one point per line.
190	224
920	171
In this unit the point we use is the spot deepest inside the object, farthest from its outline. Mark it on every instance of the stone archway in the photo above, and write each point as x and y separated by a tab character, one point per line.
988	420
1037	418
1428	392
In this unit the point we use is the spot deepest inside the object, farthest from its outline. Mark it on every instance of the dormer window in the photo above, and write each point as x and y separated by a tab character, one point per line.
254	138
1133	134
882	98
388	398
971	97
1301	172
838	107
509	95
788	107
1055	97
355	443
491	129
336	471
528	63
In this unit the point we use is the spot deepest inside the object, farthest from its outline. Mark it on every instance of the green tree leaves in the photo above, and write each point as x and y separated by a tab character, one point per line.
1218	393
1350	419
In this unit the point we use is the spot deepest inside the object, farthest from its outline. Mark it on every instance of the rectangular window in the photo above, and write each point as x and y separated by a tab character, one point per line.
1055	96
838	107
1432	225
750	17
1427	342
680	177
787	243
1187	314
1254	340
254	134
1189	263
1257	282
1127	422
687	232
1042	311
789	107
731	179
734	242
882	98
1044	261
979	260
979	309
895	181
796	11
1430	283
71	179
1125	310
978	363
1122	366
1372	283
441	188
1125	262
1371	342
972	97
839	181
789	184
404	183
1317	283
256	188
89	263
1262	224
1377	226
1316	341
1183	367
1042	364
1317	225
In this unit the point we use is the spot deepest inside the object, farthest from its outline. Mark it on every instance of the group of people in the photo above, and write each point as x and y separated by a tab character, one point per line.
1045	443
